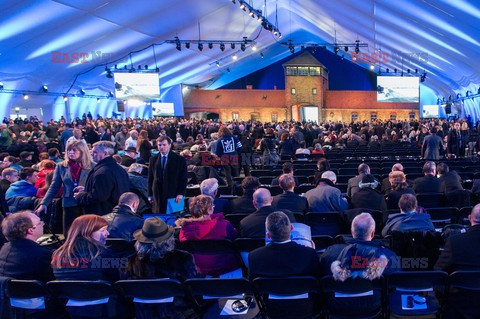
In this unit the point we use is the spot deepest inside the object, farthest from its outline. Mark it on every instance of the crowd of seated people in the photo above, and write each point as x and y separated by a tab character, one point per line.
105	197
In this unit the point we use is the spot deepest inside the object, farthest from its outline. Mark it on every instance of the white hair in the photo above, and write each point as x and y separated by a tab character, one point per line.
329	175
209	187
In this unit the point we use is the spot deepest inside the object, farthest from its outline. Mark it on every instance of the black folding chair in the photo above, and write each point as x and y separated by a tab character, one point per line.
353	298
463	294
27	298
235	219
329	223
412	293
442	216
224	292
322	242
246	245
430	200
292	297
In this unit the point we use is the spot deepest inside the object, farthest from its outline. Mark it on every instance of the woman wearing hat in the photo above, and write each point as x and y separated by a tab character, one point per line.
204	225
70	173
369	196
156	257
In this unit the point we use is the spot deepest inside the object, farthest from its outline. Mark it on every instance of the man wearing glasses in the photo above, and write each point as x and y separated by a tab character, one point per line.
22	258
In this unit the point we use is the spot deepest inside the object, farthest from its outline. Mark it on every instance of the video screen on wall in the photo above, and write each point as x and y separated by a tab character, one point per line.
398	89
430	111
141	86
162	109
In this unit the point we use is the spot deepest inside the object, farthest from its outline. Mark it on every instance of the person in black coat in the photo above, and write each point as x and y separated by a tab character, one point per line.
289	200
167	176
106	182
429	183
352	188
368	196
22	258
253	226
244	203
282	258
450	179
123	220
129	157
454	142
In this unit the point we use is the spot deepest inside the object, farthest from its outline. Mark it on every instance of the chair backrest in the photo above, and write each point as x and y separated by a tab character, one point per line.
443	215
246	245
465	279
417	281
208	246
429	200
147	290
27	294
286	287
328	223
235	219
81	290
322	242
215	288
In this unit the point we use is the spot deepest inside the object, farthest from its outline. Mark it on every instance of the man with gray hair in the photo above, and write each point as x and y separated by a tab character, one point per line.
428	183
326	197
363	232
209	187
253	226
106	182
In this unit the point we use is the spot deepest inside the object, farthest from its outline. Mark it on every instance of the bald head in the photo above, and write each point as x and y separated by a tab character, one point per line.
474	216
261	198
363	227
397	167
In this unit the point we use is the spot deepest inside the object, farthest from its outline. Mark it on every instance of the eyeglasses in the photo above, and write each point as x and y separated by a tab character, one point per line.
40	223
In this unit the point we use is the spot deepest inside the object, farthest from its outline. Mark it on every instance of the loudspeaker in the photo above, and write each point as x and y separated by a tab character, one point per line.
448	108
120	106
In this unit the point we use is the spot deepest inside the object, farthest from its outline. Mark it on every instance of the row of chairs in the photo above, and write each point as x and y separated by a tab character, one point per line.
353	298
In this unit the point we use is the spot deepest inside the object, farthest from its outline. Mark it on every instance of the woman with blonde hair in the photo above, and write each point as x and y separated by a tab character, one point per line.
144	147
398	180
70	173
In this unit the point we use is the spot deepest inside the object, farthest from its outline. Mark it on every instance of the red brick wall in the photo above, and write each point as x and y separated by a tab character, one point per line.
362	100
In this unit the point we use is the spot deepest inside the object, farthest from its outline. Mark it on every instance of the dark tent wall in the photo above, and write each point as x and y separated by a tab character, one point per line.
343	74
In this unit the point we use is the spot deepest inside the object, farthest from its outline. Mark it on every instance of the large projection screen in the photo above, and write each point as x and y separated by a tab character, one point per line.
398	89
141	86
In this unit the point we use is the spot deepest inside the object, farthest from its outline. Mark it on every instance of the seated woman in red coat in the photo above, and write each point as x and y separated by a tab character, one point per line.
205	225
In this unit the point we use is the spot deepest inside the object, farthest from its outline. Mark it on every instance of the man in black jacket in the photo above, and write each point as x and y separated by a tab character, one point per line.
451	181
244	203
22	258
167	176
106	182
289	200
123	220
129	157
363	169
253	226
429	183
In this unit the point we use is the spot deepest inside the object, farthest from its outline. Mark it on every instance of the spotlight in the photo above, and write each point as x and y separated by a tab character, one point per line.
218	64
261	55
125	67
157	70
234	56
250	13
187	45
242	47
25	96
178	46
458	95
416	70
346	48
109	74
242	5
232	46
354	58
210	45
259	18
372	66
98	100
291	47
254	48
110	94
115	66
395	70
1	85
146	67
357	46
388	70
139	67
228	70
408	70
336	49
65	98
222	47
200	46
45	89
82	91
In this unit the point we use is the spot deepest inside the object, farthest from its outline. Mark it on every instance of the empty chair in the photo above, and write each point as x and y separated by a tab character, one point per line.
222	290
97	298
352	298
330	223
429	200
293	297
463	295
441	216
322	242
412	293
27	298
246	245
235	219
155	298
463	215
265	180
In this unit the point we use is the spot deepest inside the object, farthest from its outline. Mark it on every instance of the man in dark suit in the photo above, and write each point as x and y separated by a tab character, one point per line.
244	203
454	142
106	182
432	144
167	176
129	157
363	169
460	254
253	226
428	183
289	200
103	135
283	257
209	187
22	258
450	179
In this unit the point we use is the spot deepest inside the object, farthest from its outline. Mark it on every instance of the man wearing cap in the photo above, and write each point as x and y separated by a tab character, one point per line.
26	159
368	195
129	157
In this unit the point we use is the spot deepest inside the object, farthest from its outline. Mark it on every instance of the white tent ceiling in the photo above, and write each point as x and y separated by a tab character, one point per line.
446	32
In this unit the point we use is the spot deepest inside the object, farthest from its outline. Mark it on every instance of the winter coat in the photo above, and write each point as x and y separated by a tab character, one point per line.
21	188
123	222
407	222
210	227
